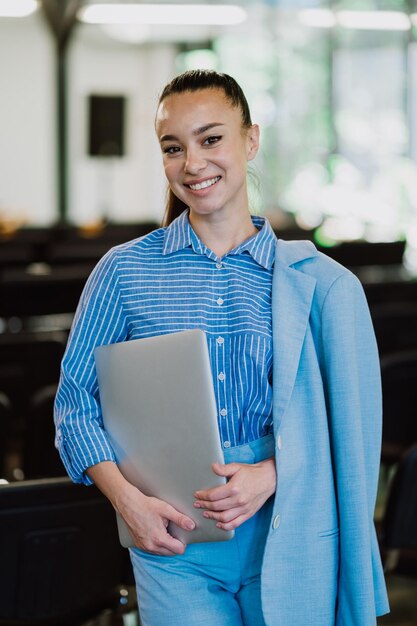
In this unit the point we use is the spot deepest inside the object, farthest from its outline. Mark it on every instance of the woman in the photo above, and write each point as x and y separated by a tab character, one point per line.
299	418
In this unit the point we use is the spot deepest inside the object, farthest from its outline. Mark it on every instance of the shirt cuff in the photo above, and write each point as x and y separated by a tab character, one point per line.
78	453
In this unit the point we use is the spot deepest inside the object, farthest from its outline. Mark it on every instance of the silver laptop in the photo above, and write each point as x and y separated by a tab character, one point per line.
159	411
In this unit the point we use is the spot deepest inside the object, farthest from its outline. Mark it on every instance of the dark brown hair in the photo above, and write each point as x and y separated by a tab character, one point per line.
195	80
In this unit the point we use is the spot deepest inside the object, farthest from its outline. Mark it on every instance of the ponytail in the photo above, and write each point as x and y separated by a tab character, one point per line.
173	208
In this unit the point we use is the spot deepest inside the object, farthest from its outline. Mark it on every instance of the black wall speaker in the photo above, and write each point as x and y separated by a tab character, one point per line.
106	115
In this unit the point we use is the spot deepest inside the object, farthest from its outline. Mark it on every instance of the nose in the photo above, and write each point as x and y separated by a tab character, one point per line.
194	162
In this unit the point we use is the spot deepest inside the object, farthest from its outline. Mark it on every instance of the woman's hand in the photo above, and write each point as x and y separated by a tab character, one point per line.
147	518
248	488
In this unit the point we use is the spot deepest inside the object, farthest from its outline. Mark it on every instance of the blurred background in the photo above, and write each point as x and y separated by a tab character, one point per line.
333	86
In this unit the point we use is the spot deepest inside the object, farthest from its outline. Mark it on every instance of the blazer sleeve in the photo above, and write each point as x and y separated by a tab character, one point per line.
353	394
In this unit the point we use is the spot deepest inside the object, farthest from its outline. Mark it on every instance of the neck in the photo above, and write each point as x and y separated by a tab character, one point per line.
222	235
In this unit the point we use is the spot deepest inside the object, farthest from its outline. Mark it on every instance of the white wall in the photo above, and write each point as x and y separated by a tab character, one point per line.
132	187
27	120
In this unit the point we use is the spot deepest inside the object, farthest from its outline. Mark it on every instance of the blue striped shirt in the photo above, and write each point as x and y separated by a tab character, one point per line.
165	282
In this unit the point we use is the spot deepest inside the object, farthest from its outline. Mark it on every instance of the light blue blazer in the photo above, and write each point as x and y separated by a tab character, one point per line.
322	565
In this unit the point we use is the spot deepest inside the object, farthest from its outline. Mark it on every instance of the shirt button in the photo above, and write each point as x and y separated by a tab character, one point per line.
276	522
226	444
279	442
220	301
219	266
223	412
221	376
220	341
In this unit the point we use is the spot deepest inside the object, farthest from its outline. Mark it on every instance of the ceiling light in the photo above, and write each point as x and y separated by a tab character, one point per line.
361	20
317	18
374	20
176	14
128	33
17	8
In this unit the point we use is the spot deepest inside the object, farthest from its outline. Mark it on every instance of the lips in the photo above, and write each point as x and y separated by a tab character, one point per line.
204	184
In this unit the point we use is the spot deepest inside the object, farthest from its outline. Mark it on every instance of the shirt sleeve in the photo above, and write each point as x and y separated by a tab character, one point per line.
99	320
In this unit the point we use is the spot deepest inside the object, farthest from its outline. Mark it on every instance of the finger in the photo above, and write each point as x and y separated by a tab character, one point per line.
181	520
165	544
159	550
232	525
156	543
225	469
215	493
172	545
226	516
217	505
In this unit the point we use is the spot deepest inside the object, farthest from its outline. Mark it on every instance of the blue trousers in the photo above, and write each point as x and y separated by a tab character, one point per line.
211	584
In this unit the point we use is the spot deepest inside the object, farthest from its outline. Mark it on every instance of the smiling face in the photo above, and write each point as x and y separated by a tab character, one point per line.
205	151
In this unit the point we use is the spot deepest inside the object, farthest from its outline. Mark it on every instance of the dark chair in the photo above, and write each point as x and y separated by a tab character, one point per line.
61	561
5	420
395	326
24	293
33	358
23	247
291	233
31	235
16	254
40	457
399	388
114	233
398	291
399	526
362	253
28	362
84	246
80	251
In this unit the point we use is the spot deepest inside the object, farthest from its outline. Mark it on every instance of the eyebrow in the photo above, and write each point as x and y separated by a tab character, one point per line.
196	132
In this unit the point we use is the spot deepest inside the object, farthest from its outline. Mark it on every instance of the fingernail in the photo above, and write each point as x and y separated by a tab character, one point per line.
197	505
205	514
190	525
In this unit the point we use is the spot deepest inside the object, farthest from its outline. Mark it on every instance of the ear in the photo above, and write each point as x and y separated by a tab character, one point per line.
252	141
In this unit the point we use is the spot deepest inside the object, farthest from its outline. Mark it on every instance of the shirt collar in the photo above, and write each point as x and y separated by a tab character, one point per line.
261	246
177	234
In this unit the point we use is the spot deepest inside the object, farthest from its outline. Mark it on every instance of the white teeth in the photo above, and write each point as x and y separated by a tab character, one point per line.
204	184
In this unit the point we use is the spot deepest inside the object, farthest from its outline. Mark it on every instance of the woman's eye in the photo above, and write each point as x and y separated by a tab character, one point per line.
212	139
170	149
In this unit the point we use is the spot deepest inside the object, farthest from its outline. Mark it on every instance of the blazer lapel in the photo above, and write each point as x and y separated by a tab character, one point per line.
292	295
